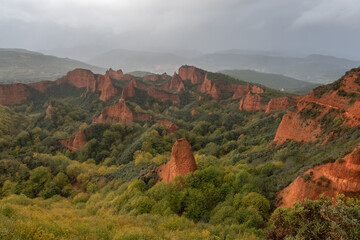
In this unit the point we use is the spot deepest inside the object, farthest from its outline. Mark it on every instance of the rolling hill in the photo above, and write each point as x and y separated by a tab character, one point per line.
275	81
22	66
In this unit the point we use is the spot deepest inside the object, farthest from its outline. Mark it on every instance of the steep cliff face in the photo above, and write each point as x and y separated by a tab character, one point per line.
163	96
193	74
75	142
174	85
340	177
251	102
338	101
181	162
79	78
13	93
105	86
117	75
241	90
41	86
129	90
280	103
120	113
210	88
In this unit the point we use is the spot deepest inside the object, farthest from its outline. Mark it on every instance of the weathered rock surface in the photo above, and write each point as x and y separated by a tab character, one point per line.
121	113
13	93
329	179
181	162
174	85
117	75
338	100
280	103
163	96
210	88
195	75
251	102
194	112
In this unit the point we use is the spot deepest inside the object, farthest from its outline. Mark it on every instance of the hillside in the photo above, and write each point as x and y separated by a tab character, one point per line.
197	155
22	66
275	81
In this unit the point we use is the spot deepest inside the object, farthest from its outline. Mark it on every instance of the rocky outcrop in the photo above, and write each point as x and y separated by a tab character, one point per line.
105	86
41	86
48	111
75	142
116	75
129	90
340	177
121	113
181	162
171	127
210	88
13	93
194	112
251	102
163	96
153	77
242	90
338	100
280	103
174	85
195	75
81	78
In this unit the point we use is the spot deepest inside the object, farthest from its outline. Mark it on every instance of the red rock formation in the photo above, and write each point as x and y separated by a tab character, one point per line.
81	78
181	162
105	86
171	127
117	75
41	86
280	103
129	90
13	93
127	77
242	90
210	88
75	142
336	98
329	179
120	113
194	112
174	85
48	111
193	74
163	96
251	102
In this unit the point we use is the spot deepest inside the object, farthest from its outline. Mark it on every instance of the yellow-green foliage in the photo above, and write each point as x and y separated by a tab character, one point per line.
58	218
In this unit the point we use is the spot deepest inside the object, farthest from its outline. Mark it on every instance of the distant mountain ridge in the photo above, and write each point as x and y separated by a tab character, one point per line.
271	80
314	68
23	66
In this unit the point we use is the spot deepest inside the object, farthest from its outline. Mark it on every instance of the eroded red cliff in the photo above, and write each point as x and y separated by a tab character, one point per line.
181	162
174	85
193	74
340	177
171	127
280	103
117	75
251	102
13	93
75	142
307	122
121	113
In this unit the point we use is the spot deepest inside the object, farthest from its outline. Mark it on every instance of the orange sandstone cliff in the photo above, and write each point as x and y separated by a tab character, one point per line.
338	100
193	74
171	127
174	85
13	93
181	162
251	102
121	113
340	177
280	103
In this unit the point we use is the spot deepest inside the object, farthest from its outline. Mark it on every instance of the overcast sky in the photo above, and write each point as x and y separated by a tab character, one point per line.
290	26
